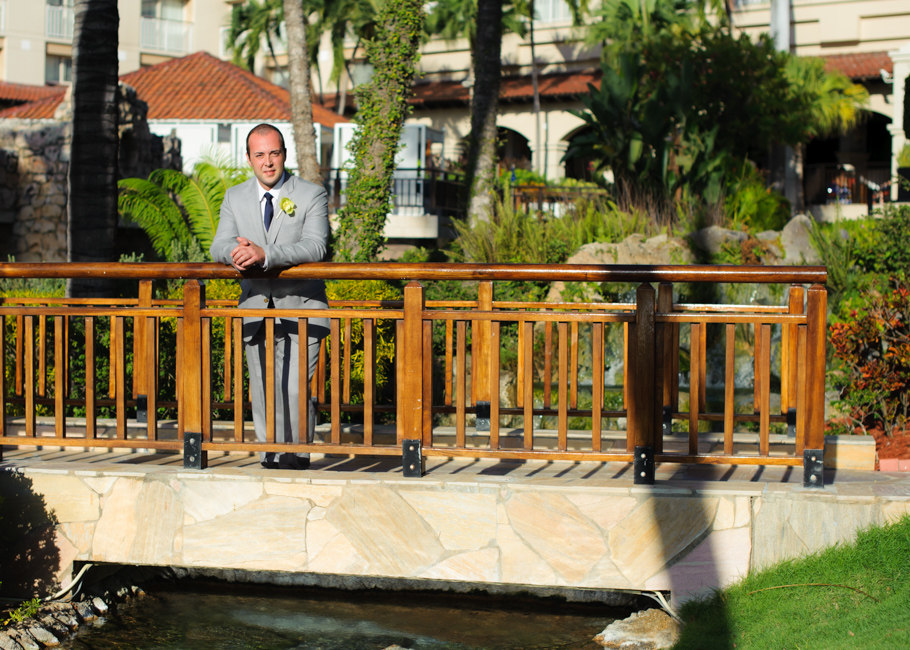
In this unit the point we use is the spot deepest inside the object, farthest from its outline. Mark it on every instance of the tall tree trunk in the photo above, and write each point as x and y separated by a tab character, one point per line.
383	107
301	97
799	164
92	202
481	163
541	148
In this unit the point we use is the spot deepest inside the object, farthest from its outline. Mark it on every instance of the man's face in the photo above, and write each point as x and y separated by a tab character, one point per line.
267	158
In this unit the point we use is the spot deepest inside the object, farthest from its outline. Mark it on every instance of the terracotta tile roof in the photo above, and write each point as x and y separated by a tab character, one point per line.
863	66
513	89
200	87
10	92
43	109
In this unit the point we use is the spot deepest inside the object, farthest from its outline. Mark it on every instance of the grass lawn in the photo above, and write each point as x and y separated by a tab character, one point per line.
823	617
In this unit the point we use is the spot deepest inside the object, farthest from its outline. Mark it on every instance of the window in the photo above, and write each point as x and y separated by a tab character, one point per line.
163	9
60	3
58	69
552	11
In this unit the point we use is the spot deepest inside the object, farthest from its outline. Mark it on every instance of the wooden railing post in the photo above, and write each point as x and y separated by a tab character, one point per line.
410	393
141	352
480	366
642	411
789	359
816	333
665	362
189	373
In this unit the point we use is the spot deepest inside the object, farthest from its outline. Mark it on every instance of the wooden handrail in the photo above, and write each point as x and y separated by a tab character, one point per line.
411	272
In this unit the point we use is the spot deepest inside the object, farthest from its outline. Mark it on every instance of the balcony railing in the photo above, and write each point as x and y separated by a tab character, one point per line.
170	36
52	350
59	22
843	184
415	192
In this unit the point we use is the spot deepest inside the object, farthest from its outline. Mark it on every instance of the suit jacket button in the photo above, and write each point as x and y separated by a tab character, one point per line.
265	300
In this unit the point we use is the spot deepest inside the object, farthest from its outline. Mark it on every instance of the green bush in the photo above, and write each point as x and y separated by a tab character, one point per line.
749	204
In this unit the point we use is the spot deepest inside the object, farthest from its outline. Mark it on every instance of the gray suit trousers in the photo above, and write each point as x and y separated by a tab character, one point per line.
287	390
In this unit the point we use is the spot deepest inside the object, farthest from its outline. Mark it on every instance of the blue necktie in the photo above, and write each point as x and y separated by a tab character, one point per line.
269	211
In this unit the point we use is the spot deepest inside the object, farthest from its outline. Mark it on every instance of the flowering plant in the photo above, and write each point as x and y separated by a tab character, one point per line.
288	206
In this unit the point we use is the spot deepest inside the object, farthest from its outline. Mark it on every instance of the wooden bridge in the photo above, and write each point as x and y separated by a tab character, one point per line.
42	337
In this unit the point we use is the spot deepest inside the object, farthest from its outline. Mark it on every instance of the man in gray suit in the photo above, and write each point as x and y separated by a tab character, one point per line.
271	222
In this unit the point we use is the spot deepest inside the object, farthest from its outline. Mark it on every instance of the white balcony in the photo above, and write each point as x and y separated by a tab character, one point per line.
170	36
58	22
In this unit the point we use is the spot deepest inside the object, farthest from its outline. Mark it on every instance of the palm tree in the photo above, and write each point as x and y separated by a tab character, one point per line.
92	202
251	23
831	104
178	212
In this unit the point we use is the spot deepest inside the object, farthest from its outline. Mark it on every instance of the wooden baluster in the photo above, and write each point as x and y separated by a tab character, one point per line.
270	382
480	364
346	394
647	399
180	345
729	388
411	395
42	356
801	349
20	356
520	370
190	366
369	378
151	374
59	379
573	365
597	387
140	352
320	372
398	369
335	379
112	360
674	359
303	379
30	376
2	379
460	384
448	383
694	387
790	362
207	379
547	363
528	353
494	381
765	418
228	362
238	380
816	306
90	428
756	329
702	368
428	383
629	381
626	367
119	370
562	432
664	364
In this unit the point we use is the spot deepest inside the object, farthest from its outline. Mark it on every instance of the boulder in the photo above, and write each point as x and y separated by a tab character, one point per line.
797	241
712	240
652	629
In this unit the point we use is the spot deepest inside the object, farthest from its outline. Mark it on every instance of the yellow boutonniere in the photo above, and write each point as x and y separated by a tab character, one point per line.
288	206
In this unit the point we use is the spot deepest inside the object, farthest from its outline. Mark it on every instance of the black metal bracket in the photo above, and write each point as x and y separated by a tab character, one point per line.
193	456
668	420
791	423
644	466
813	468
482	410
413	463
142	409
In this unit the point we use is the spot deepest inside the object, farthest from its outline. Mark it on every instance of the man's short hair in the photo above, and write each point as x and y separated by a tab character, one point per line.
264	129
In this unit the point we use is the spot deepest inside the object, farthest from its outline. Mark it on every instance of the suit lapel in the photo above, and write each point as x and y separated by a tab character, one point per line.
280	216
253	208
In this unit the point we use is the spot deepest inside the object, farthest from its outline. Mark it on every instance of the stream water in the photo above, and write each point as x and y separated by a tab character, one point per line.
214	616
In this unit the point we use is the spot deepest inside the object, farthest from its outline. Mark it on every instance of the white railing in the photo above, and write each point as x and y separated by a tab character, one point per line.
59	22
171	36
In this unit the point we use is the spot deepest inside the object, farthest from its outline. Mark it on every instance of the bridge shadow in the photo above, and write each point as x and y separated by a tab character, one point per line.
29	558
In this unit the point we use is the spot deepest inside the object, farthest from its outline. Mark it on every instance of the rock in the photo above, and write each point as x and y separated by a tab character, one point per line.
84	611
653	629
23	638
42	636
99	606
8	643
51	624
63	612
797	241
712	240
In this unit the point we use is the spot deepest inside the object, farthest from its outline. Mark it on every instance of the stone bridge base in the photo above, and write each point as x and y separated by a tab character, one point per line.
565	525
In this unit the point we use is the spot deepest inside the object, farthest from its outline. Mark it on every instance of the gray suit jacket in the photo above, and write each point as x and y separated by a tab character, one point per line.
292	239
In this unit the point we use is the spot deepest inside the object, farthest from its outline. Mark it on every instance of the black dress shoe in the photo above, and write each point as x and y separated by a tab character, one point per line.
269	464
295	464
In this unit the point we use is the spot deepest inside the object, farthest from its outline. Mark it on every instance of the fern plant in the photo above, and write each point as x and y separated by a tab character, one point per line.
179	212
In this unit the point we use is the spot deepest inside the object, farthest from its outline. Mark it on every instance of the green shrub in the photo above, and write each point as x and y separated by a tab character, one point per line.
903	158
749	204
